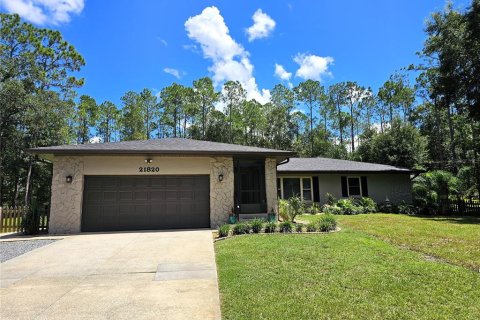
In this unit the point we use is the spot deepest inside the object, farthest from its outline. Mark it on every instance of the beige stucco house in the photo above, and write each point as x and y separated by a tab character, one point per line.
158	184
313	178
183	183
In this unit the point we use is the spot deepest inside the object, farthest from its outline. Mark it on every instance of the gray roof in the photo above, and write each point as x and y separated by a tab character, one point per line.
161	146
335	165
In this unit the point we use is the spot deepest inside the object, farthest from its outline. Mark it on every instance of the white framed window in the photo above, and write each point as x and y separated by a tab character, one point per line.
288	187
354	187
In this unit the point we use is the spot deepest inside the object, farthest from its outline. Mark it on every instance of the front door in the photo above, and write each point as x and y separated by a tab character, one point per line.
250	186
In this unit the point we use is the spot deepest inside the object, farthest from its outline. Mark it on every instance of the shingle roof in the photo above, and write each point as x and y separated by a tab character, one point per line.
161	146
335	165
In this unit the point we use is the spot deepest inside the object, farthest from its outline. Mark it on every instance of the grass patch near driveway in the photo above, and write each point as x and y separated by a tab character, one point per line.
343	275
453	239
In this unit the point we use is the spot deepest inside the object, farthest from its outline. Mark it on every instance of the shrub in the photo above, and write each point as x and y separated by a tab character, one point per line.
270	227
299	227
285	226
314	208
368	205
332	209
241	228
283	208
289	209
311	227
327	223
256	225
349	206
296	207
224	230
330	199
405	208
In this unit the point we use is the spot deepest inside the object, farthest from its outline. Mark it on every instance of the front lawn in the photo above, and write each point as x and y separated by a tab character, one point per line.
453	239
344	275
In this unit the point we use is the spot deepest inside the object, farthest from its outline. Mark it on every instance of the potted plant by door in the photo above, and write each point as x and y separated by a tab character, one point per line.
272	216
232	218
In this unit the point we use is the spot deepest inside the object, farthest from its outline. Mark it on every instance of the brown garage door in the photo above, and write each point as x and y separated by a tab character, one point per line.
113	203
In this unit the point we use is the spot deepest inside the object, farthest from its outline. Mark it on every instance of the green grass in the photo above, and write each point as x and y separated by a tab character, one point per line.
344	275
453	239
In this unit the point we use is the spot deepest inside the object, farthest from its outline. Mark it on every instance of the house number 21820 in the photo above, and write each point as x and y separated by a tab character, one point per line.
148	169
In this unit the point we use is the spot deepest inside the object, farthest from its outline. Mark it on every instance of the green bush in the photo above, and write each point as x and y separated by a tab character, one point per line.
332	209
270	227
368	205
224	230
327	223
349	206
283	208
299	227
289	209
256	225
405	208
241	228
314	208
311	227
331	200
285	227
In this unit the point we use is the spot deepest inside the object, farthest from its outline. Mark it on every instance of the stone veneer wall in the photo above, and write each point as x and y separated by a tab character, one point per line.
271	183
66	202
221	193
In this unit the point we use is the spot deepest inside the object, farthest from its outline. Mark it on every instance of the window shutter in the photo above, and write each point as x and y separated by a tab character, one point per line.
316	191
344	187
364	186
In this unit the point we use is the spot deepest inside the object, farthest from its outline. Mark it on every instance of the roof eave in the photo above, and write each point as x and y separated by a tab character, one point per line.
162	152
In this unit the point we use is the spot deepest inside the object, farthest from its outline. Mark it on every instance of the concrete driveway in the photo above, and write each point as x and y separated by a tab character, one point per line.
137	275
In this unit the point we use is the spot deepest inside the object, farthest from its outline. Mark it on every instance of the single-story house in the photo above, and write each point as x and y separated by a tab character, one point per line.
313	178
183	183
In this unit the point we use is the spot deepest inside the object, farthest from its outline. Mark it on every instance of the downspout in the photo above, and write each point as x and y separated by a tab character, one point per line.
283	162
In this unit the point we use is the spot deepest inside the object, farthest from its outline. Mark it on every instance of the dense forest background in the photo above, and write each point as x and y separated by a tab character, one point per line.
431	124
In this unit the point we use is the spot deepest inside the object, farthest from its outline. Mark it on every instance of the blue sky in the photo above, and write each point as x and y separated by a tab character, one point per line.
129	45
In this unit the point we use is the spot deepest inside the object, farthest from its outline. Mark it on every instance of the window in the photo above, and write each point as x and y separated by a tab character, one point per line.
354	188
298	186
291	187
307	189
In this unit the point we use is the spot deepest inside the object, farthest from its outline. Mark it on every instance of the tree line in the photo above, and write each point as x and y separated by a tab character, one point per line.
430	124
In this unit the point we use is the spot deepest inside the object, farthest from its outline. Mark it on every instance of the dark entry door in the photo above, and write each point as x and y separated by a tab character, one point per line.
112	203
250	186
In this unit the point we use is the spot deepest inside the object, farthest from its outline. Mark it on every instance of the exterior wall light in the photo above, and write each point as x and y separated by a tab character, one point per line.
148	160
69	179
220	177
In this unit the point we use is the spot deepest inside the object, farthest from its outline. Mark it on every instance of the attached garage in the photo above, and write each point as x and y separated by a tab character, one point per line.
170	183
114	203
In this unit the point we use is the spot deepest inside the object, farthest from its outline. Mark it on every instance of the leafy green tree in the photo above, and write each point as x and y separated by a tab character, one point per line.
205	97
86	115
309	93
40	64
108	121
234	96
173	103
400	145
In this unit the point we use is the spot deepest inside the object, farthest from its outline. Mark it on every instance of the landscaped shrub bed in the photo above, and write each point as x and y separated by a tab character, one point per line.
326	223
350	206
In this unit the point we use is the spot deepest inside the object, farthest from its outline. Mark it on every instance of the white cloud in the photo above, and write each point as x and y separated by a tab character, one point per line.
281	73
174	72
312	67
262	27
229	58
163	41
44	11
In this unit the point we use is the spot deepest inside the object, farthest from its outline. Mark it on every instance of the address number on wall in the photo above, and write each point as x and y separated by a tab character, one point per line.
148	169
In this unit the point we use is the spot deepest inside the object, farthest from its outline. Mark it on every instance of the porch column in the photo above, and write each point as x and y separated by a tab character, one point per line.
271	184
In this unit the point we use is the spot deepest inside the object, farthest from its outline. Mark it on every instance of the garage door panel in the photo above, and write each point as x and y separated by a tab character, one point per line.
146	202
